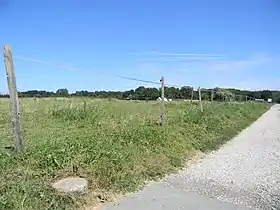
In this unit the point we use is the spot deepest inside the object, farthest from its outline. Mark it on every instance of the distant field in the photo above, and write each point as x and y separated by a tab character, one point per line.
116	145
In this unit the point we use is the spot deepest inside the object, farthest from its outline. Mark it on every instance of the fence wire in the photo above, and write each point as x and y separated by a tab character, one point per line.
63	66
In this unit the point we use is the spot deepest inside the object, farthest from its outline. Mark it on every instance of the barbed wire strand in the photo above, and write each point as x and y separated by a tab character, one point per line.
35	60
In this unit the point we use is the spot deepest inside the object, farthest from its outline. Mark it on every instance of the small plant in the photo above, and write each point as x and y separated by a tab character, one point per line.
69	113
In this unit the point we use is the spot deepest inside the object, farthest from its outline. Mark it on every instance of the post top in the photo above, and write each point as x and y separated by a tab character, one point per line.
7	47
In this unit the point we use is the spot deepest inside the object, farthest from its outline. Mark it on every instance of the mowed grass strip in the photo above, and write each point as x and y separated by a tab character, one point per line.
116	145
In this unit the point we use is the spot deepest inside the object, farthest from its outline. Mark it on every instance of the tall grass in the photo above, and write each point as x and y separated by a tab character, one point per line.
116	145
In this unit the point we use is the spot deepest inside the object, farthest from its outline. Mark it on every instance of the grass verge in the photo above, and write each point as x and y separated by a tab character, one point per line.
116	145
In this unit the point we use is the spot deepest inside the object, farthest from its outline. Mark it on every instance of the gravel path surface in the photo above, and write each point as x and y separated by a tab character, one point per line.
243	174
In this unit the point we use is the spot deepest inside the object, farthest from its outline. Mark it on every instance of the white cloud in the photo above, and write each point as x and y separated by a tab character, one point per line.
260	83
206	64
181	55
257	71
240	65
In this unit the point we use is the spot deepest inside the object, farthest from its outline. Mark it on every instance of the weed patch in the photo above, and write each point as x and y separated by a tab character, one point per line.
117	145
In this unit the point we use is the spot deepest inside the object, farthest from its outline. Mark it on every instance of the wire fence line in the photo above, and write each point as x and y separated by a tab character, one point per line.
35	60
13	94
200	91
63	66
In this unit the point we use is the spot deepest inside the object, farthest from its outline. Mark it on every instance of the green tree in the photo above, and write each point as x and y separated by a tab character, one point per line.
266	94
128	94
172	92
140	93
62	92
185	92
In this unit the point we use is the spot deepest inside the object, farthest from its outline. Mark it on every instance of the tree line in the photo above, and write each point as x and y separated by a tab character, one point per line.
147	93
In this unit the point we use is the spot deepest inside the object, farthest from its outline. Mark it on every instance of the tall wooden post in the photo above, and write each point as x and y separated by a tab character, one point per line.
162	101
85	106
200	101
14	102
212	95
192	96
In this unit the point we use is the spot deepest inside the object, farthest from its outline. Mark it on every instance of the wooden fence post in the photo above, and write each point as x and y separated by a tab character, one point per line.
212	95
85	106
200	101
192	96
14	102
162	101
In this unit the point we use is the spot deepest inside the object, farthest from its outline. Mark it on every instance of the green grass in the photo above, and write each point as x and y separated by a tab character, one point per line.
116	145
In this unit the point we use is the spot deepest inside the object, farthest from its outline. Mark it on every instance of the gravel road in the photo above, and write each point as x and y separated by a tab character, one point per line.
244	174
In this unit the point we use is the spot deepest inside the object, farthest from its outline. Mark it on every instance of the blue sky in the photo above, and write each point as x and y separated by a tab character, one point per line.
190	42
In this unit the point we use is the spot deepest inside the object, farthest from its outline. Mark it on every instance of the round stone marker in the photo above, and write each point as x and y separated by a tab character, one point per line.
71	185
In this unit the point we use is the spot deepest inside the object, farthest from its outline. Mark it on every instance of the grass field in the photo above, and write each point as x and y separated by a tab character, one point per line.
116	145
